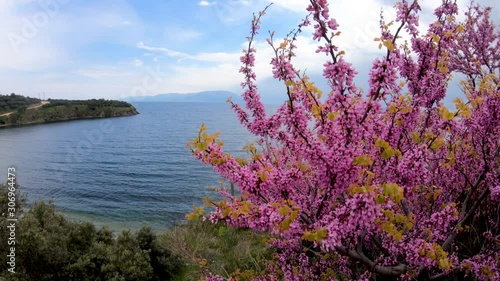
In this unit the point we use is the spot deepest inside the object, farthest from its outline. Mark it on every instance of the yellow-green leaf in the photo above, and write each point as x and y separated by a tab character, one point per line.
443	263
389	45
192	216
309	236
321	234
398	236
363	160
380	199
332	115
388	153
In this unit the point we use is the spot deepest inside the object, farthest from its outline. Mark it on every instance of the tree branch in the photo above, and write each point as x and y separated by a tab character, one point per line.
395	270
447	244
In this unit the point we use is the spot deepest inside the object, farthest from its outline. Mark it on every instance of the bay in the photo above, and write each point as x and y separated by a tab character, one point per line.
123	172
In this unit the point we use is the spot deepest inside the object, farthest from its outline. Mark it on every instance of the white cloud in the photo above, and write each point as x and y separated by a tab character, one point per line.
103	72
195	78
206	3
23	45
164	51
137	63
220	70
217	57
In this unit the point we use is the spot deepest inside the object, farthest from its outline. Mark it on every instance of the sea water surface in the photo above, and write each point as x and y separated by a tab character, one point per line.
123	172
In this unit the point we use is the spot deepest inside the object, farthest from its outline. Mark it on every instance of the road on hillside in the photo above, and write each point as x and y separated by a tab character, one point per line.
29	107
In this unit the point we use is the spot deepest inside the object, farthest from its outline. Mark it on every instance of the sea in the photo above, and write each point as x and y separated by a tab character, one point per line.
123	172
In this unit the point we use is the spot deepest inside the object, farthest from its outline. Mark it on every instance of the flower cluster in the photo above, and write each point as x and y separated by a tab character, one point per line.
390	183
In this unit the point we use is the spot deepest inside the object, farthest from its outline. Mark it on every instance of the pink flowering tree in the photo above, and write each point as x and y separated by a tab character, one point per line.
382	184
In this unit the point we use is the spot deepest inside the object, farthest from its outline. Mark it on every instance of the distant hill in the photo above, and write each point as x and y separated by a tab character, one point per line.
206	96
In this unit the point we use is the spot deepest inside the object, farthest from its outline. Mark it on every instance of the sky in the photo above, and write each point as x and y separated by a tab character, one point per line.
113	49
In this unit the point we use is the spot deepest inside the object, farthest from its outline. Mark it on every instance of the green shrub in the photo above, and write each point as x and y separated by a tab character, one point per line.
51	247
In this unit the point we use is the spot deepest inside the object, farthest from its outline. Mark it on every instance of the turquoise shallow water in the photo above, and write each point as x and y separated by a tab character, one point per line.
124	172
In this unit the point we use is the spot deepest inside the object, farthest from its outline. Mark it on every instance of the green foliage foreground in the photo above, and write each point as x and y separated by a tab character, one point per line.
51	247
230	252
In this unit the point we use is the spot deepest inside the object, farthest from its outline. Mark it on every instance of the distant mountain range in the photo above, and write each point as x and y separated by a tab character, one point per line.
206	96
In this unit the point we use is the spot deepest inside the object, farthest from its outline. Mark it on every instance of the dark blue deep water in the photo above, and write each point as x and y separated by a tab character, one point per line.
123	172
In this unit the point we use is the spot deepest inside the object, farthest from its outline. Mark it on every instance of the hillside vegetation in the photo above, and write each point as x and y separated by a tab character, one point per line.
19	110
13	102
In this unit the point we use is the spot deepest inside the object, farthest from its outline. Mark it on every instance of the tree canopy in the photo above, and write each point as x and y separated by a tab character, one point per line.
13	102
